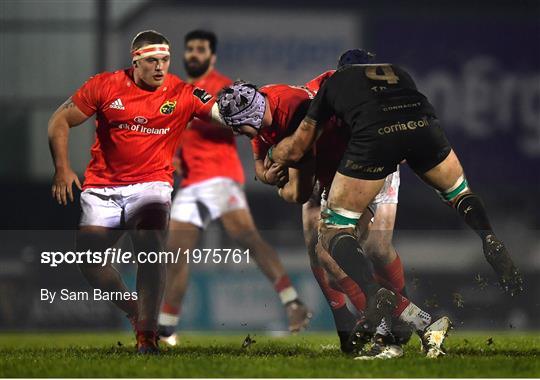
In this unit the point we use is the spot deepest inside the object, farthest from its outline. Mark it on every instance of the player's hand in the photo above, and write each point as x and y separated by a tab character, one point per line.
268	162
62	187
277	175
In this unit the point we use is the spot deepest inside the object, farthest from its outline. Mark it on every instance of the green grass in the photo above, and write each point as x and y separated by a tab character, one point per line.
305	355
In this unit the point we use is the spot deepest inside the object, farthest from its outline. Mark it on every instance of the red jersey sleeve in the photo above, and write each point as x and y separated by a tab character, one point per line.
316	83
259	148
88	97
202	103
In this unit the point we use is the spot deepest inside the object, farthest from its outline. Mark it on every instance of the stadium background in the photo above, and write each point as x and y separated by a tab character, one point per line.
479	62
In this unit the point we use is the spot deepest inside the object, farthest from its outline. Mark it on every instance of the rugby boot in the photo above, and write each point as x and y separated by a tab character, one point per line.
433	337
147	343
380	349
499	259
380	306
298	315
171	340
354	341
167	334
401	332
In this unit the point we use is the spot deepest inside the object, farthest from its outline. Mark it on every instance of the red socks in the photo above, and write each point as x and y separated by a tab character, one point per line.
285	289
335	299
391	275
353	291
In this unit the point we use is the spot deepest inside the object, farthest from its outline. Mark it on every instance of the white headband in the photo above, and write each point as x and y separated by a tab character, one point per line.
149	50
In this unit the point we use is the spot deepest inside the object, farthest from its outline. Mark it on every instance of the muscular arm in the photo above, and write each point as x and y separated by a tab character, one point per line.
66	116
291	149
275	175
294	184
300	185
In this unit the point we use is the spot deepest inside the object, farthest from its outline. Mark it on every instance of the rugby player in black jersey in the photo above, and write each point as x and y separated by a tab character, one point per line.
390	121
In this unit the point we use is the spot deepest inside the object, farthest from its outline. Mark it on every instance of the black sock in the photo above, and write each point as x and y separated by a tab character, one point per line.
344	320
472	210
344	248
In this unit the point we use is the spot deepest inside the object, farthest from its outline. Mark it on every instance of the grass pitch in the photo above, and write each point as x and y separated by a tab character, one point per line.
305	355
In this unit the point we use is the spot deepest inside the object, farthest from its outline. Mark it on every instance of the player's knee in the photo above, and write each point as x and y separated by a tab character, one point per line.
150	236
457	191
92	272
176	269
335	222
376	251
246	238
150	217
378	246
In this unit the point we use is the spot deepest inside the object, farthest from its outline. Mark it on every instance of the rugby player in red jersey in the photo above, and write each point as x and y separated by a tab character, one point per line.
390	121
269	115
141	113
210	189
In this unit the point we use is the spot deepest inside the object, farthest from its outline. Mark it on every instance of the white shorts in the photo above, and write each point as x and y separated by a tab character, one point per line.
113	207
208	200
390	189
387	195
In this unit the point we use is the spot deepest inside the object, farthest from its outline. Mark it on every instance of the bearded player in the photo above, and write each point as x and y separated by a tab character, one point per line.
210	189
141	113
269	115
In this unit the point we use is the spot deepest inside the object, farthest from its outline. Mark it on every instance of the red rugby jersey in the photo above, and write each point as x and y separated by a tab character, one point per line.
137	131
317	82
288	105
206	150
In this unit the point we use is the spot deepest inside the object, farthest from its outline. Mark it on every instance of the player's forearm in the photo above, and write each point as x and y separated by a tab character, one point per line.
291	149
299	187
58	133
260	170
287	152
297	190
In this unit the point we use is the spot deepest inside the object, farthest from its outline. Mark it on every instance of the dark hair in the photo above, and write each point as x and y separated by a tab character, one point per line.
199	34
148	37
355	56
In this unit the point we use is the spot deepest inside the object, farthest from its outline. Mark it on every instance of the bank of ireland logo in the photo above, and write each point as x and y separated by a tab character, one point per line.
140	120
167	108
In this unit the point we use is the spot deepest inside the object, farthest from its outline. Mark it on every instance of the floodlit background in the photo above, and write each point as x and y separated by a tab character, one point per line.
478	62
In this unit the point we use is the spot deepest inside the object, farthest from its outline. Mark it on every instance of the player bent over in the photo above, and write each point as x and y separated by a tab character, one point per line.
141	113
267	116
210	189
390	121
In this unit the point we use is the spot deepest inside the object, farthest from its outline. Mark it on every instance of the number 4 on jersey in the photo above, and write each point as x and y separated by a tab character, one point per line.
387	75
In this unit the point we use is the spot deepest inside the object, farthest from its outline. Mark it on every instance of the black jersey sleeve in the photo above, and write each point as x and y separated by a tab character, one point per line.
320	109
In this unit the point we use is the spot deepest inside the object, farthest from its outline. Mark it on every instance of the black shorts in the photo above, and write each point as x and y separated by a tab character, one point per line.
374	151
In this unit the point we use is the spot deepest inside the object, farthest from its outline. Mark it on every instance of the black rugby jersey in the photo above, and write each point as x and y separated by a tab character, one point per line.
362	95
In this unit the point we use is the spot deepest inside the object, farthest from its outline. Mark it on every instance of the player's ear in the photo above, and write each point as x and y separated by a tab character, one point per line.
213	59
134	63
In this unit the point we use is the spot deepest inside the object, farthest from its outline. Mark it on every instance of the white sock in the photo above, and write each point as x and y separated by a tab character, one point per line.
288	295
383	328
166	319
416	317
